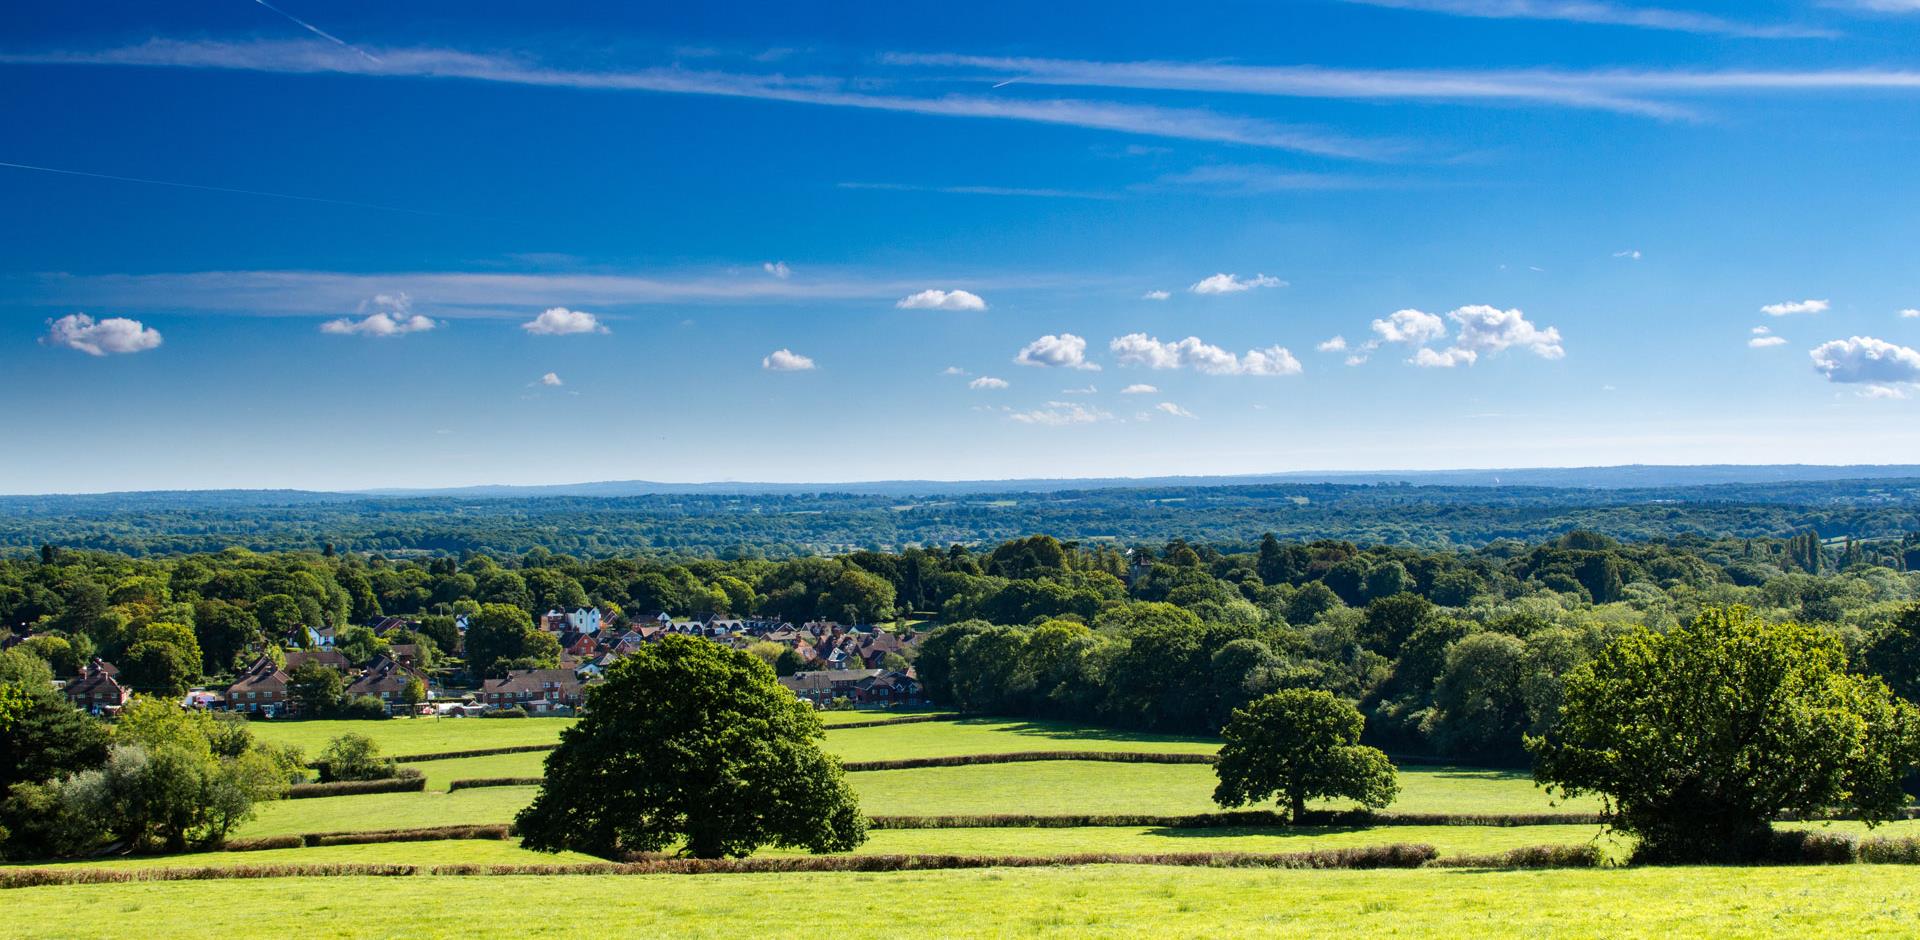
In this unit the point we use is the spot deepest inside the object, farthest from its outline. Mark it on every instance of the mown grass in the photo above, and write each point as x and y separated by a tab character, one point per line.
998	736
1105	900
1450	840
447	852
402	736
1082	787
1044	788
388	811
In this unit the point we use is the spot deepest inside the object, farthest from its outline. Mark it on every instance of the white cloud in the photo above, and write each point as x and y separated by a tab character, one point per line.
1065	351
1082	390
1884	391
1911	313
1763	342
379	324
559	321
1143	350
1358	359
1761	330
101	337
1865	360
785	360
1632	254
1167	407
1336	344
1444	359
778	269
1795	306
954	370
1155	295
1484	329
1611	14
942	300
1138	388
987	381
1413	327
551	379
1233	283
1060	414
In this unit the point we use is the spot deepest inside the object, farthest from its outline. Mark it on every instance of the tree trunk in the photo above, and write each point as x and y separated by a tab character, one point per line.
1297	807
704	843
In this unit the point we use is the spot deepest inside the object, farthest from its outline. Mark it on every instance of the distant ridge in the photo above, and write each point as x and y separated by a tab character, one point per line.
1629	476
1619	477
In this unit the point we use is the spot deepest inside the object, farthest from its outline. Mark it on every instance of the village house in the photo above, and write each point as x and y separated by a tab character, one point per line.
97	689
385	680
536	690
261	690
332	659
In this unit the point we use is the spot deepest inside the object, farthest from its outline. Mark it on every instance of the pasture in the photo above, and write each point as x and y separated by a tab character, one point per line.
1083	901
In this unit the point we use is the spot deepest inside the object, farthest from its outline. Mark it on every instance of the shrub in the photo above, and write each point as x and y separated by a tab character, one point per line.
1584	855
495	782
406	781
264	842
1811	847
512	711
353	757
431	834
363	708
1888	850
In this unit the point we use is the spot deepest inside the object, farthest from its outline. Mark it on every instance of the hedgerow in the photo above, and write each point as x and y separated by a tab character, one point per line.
1584	855
961	760
473	752
495	782
404	784
1241	818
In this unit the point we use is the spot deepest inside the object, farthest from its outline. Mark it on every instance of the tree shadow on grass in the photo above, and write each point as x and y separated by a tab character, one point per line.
1062	731
1277	832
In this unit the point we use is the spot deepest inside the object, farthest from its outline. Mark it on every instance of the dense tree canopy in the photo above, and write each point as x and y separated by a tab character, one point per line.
1699	737
1298	745
692	744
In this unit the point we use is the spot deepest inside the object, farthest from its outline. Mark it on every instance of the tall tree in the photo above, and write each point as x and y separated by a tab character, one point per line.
1298	745
689	740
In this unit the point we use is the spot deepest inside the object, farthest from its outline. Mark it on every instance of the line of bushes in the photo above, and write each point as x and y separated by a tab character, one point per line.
404	784
902	720
495	782
961	760
369	836
1240	818
1400	855
473	752
1585	855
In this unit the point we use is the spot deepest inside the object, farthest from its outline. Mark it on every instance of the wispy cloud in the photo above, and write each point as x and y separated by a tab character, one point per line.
1062	413
456	294
1609	14
1788	308
1642	92
1233	283
987	383
1041	193
1257	180
309	58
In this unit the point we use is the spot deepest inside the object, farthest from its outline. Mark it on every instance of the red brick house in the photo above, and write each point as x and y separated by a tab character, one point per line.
536	690
97	690
261	690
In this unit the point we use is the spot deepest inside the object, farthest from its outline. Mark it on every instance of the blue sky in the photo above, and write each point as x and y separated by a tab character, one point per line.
360	245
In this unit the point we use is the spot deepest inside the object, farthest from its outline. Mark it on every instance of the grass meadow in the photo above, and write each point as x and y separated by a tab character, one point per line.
1085	901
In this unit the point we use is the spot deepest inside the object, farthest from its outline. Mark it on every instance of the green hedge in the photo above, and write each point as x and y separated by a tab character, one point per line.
961	760
301	791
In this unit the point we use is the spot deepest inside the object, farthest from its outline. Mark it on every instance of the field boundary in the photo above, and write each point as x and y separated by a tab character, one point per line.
1252	819
496	831
495	782
1015	757
303	791
473	752
1399	855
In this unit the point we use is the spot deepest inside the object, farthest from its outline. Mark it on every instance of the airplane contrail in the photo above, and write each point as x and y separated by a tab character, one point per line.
216	189
317	31
1008	82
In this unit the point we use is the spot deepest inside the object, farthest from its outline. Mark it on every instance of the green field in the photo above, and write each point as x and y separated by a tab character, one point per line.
998	736
402	736
1449	840
388	811
443	852
1103	900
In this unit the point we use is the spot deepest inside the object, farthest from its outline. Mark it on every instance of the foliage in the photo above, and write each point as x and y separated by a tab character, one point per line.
314	690
353	757
1698	737
1297	745
690	739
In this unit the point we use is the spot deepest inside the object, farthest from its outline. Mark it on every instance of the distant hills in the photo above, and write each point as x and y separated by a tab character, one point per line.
1630	476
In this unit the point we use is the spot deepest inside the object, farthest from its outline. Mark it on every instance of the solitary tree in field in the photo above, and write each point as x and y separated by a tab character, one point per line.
1298	745
691	743
1699	737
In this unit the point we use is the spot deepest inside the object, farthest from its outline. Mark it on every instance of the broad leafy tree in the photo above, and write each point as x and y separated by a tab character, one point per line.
1298	745
690	743
315	690
1698	738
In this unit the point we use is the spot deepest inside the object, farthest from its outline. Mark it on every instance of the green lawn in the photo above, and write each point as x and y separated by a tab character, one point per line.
1104	901
444	852
847	717
388	811
1043	788
401	736
1066	787
998	736
1450	840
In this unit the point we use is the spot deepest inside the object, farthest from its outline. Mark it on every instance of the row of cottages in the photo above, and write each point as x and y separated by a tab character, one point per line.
262	688
539	691
869	687
97	689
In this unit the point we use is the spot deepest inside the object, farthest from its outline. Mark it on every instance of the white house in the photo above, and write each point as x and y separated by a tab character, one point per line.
585	620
